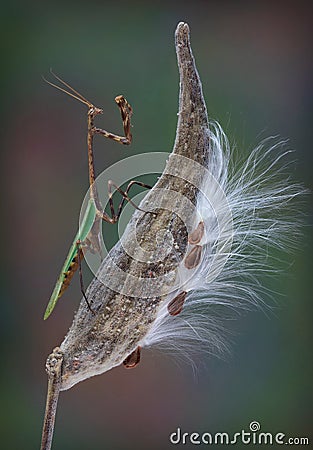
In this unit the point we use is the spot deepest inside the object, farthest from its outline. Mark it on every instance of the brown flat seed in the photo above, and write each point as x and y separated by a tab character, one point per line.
133	359
175	306
193	257
196	236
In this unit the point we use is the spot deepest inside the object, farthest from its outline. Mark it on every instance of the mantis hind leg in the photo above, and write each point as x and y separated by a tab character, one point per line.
92	241
80	256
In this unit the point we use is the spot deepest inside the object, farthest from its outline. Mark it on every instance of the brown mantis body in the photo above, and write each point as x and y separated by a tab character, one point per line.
90	238
132	284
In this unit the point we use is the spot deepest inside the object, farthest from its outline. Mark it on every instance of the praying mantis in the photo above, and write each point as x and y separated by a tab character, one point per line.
88	235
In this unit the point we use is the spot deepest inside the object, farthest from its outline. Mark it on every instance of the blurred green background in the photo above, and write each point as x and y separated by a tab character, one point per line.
255	61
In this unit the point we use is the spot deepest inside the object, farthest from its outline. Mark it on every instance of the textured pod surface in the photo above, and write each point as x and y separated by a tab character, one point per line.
126	306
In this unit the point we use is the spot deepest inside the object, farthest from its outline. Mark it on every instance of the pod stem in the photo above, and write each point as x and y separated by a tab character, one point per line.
54	371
